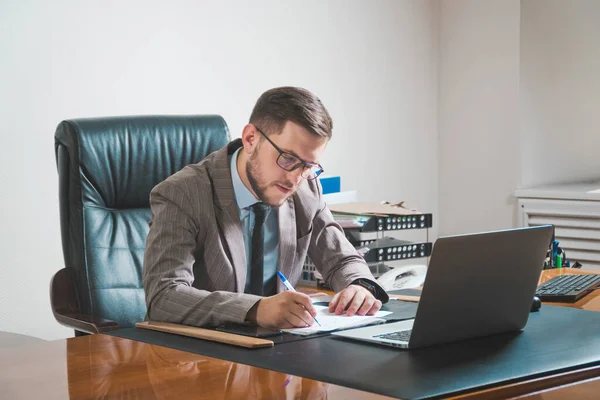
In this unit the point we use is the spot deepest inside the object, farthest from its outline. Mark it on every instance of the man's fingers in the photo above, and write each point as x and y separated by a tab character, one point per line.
293	321
356	303
354	300
346	296
302	317
375	307
334	301
304	301
368	302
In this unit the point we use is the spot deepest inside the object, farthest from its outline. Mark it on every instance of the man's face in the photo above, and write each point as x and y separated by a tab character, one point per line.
271	183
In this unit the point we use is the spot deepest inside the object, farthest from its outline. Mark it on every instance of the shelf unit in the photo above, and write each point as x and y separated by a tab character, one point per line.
392	249
382	249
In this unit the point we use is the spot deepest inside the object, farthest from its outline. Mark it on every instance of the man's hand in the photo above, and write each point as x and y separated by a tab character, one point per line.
355	299
284	310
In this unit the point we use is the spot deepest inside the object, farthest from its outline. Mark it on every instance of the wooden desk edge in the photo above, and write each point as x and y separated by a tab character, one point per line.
533	385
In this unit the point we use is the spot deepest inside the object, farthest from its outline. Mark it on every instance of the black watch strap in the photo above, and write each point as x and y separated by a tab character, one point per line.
375	289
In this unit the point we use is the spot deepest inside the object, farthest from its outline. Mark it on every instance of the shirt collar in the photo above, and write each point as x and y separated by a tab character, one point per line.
243	196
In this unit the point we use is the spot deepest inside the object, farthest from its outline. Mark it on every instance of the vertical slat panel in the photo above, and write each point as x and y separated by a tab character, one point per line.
577	226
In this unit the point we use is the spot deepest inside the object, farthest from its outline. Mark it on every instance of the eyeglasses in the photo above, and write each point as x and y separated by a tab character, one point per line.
290	162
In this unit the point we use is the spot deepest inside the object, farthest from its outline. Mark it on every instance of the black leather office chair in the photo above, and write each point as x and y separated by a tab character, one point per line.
106	169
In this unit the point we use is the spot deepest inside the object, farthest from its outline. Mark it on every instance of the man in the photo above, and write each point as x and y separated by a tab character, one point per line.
222	228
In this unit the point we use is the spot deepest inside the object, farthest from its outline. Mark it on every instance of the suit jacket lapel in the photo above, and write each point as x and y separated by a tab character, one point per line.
227	213
287	240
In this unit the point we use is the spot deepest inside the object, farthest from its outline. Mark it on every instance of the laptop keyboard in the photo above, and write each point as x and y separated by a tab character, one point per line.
402	336
567	288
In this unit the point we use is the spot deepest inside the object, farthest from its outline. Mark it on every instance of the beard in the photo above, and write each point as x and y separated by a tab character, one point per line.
259	187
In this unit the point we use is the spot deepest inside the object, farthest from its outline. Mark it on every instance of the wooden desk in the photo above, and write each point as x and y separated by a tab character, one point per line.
102	366
580	384
590	301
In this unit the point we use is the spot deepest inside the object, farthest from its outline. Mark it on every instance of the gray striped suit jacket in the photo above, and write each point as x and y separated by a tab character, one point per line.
195	263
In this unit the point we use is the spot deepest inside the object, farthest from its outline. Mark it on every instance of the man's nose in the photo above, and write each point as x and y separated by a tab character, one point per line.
294	176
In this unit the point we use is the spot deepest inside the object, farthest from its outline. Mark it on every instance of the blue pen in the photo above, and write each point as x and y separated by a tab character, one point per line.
289	287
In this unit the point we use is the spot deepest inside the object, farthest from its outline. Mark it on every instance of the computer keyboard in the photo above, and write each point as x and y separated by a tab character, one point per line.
567	288
399	335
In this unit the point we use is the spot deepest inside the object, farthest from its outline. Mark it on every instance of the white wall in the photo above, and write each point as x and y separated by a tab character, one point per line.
560	91
519	104
374	65
478	114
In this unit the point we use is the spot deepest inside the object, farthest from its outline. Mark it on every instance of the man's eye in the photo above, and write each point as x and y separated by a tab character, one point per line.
288	160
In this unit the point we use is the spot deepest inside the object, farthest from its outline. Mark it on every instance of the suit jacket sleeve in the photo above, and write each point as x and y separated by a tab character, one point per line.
168	272
332	253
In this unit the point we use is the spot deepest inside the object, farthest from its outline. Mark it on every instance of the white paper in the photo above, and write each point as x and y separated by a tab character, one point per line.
331	322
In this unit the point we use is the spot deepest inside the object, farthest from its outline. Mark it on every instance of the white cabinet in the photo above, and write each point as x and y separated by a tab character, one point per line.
574	209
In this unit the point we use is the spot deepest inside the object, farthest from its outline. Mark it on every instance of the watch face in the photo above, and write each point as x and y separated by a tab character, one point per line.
367	286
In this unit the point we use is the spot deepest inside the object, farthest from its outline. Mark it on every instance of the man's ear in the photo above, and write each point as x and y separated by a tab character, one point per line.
250	138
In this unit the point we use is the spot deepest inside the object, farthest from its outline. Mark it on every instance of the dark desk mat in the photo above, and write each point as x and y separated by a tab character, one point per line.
288	337
406	292
556	339
401	310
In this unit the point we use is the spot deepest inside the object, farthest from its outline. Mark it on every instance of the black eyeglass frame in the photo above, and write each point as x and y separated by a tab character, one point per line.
307	166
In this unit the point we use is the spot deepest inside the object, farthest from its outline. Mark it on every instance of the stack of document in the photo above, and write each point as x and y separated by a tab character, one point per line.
349	221
331	322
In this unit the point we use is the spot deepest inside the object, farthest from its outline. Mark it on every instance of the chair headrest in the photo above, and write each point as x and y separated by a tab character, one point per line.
118	160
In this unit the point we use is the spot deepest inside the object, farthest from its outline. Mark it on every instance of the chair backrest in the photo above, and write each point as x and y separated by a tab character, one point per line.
107	168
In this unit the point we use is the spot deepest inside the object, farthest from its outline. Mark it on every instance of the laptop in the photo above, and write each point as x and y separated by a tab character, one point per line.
476	285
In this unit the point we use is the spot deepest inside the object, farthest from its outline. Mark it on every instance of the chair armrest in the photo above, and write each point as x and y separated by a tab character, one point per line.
86	323
65	307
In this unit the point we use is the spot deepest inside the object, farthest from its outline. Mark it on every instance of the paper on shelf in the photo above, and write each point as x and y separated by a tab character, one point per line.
362	208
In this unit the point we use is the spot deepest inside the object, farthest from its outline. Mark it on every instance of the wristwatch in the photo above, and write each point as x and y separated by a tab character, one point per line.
367	285
378	293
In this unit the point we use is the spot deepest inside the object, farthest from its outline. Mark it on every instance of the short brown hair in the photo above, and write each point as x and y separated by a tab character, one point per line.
277	106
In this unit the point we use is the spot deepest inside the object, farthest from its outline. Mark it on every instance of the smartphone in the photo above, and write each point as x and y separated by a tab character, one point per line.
249	330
